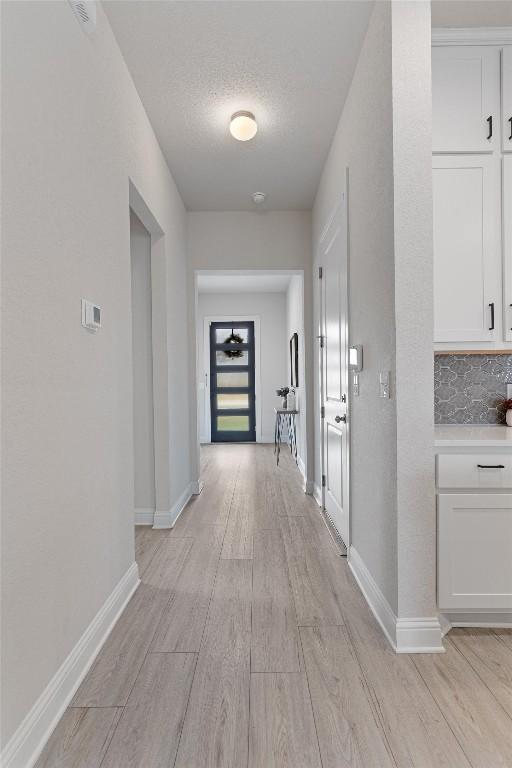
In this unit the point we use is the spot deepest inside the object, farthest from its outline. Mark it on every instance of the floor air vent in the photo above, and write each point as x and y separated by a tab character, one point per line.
85	11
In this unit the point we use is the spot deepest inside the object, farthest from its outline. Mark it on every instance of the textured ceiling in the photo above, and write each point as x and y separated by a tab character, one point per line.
263	283
195	63
471	13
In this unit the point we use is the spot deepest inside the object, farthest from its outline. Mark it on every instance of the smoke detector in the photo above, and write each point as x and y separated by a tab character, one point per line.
258	197
85	12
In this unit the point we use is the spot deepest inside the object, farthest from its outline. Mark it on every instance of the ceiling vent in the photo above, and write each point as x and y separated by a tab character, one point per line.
85	11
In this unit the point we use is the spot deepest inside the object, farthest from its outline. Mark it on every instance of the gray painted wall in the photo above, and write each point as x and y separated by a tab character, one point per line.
384	139
368	154
73	132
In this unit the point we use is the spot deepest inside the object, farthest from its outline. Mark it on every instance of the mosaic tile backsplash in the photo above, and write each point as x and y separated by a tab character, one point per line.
470	389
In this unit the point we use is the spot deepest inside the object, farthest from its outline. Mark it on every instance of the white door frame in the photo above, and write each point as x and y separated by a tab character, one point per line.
160	350
342	203
206	427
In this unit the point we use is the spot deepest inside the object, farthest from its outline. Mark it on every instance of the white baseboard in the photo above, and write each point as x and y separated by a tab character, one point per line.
166	518
410	635
27	742
482	619
317	494
144	516
307	485
265	437
196	486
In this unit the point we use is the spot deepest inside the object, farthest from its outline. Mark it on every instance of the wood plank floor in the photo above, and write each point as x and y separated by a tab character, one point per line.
249	645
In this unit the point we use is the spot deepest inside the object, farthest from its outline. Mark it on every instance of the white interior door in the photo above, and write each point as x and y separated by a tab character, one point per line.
334	314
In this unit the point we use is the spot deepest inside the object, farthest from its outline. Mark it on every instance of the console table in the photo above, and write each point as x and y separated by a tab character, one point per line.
285	418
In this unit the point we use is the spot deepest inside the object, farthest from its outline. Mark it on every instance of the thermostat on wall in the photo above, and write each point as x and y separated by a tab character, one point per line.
91	315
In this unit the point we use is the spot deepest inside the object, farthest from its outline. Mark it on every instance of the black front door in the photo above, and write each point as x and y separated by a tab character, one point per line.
232	382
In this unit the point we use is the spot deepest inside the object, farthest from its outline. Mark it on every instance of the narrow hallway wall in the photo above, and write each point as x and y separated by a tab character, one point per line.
74	133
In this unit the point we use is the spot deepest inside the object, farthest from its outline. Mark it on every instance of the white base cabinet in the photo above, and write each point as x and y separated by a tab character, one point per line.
475	552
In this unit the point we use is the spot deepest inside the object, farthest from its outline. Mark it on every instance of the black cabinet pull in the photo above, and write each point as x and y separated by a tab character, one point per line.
489	121
491	305
491	466
510	121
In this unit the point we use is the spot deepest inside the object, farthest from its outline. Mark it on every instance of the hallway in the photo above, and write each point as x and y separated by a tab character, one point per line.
249	643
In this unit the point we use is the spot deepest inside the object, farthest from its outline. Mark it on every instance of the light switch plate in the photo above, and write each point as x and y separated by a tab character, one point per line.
384	384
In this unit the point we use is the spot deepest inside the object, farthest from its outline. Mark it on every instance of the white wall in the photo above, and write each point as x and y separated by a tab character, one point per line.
364	143
143	414
295	324
271	310
383	139
260	240
74	132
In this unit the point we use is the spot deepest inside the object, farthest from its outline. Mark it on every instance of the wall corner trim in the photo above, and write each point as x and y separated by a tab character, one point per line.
166	518
410	635
24	747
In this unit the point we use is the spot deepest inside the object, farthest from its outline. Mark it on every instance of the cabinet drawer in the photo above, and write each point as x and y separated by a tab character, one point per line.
474	470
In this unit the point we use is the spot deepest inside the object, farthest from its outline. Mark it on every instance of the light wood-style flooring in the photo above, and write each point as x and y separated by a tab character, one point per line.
249	645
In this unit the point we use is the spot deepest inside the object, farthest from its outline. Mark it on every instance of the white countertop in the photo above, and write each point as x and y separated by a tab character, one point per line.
469	435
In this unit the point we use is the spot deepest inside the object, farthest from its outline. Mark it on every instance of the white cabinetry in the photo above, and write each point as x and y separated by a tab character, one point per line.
474	524
506	98
475	552
465	98
467	260
472	142
507	243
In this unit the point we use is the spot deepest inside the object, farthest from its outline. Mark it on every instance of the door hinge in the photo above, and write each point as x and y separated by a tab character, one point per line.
323	481
322	412
320	272
321	340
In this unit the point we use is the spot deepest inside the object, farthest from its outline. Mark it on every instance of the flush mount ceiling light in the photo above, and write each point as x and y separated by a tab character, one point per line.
258	197
243	126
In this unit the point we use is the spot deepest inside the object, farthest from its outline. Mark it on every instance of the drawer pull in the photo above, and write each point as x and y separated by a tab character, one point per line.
491	466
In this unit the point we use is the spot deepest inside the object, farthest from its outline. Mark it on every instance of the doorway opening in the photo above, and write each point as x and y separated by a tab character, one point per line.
232	382
266	309
142	365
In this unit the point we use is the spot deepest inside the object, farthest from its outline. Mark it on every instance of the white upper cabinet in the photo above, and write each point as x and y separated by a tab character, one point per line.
467	259
507	244
466	99
506	97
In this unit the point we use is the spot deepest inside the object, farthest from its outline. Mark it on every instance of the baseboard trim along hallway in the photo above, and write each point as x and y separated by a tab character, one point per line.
411	635
144	516
166	518
23	749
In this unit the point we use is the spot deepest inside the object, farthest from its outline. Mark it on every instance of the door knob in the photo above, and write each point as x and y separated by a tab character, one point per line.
337	419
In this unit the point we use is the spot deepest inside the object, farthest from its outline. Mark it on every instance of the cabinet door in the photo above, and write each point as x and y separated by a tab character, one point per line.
506	97
467	270
475	551
465	94
507	244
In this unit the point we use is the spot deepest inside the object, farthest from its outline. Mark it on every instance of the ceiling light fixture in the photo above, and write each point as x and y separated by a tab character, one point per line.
243	126
258	197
